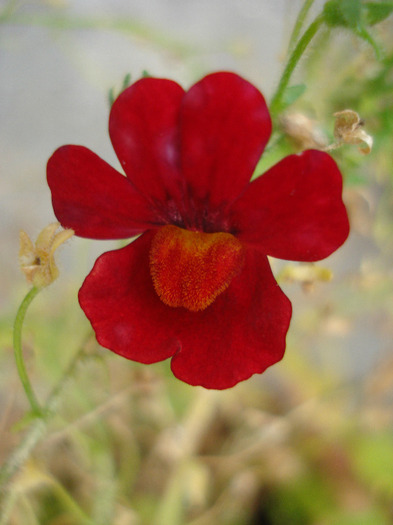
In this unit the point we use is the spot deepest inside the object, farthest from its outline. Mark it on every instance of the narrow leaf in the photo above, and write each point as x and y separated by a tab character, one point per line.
377	12
293	93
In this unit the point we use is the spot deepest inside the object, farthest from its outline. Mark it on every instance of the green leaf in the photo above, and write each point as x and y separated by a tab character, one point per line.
365	35
126	81
333	15
344	13
25	421
376	12
352	11
355	16
111	96
293	93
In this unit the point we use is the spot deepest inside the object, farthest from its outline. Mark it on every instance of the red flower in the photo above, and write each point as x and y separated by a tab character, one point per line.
196	285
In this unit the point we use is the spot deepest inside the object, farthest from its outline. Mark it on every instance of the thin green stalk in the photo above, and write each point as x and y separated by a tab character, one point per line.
81	518
20	364
363	33
69	503
38	426
293	60
299	24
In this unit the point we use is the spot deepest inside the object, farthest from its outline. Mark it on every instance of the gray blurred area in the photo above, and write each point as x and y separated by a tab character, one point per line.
59	59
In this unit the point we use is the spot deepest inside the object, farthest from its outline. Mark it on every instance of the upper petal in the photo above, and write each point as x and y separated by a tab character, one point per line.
225	125
143	127
93	199
295	210
240	334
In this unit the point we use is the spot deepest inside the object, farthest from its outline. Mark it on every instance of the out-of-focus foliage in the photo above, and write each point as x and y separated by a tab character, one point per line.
356	14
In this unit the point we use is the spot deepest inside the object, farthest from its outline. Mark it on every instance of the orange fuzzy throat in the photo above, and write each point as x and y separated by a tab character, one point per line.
191	269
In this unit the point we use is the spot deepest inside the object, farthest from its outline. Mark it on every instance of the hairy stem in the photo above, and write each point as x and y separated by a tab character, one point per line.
277	100
299	24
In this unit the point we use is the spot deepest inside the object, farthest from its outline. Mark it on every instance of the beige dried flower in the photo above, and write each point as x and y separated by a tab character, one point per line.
303	131
348	129
37	260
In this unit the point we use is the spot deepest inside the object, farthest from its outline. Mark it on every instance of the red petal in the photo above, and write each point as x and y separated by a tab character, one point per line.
240	334
92	198
119	299
295	210
143	126
225	126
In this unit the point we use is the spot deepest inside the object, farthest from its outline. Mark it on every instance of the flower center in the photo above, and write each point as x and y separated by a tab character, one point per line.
191	268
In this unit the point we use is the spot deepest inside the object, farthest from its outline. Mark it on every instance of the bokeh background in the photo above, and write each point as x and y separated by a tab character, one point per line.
308	442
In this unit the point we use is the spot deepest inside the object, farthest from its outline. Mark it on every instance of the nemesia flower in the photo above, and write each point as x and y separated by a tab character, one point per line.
196	285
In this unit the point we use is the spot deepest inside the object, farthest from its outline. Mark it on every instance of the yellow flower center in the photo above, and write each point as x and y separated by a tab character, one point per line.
191	268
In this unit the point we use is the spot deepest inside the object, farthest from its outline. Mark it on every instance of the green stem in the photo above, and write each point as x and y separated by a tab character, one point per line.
38	426
277	100
299	24
363	33
20	364
70	504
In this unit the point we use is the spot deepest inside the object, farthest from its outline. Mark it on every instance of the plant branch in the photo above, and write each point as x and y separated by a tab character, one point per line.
38	426
277	100
299	24
18	325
